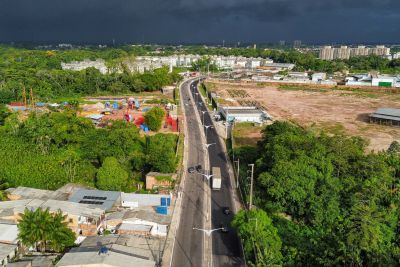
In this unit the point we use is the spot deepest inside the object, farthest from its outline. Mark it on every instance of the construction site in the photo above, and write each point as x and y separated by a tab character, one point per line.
334	111
103	110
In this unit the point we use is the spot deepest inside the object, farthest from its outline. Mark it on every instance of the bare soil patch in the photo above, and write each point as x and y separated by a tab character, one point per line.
334	111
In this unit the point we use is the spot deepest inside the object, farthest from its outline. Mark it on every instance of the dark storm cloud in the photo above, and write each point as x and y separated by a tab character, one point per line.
199	20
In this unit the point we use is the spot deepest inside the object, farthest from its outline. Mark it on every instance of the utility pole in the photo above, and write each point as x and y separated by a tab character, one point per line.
251	186
238	172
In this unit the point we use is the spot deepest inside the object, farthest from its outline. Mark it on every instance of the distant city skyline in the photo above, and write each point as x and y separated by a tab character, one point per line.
200	21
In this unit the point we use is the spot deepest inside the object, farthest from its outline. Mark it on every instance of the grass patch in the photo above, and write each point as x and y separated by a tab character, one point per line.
202	90
246	134
333	128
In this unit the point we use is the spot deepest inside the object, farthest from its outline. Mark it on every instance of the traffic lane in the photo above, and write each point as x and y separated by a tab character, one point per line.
225	245
193	203
189	244
185	250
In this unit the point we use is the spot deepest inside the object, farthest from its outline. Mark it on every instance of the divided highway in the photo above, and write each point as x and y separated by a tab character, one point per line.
191	246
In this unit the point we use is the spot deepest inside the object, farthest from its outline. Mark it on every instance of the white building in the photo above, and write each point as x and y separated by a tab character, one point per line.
81	65
345	52
318	76
132	200
244	114
385	81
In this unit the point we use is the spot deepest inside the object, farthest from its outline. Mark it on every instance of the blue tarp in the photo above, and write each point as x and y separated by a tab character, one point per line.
162	210
40	104
115	105
19	108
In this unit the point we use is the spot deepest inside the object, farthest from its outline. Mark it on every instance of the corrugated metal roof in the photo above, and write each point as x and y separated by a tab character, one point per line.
107	198
387	113
142	199
135	227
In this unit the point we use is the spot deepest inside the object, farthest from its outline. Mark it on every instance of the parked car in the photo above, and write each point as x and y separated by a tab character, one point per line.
198	168
191	170
226	210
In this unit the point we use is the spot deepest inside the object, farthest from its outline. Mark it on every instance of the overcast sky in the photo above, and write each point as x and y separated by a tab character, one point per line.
200	21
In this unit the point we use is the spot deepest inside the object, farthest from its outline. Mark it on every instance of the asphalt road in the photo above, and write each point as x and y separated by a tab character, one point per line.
189	245
226	246
188	249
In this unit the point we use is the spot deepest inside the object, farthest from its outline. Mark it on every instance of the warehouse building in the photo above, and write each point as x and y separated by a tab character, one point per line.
386	116
244	114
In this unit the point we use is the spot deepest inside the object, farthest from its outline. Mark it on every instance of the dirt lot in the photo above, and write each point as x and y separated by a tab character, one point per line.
335	111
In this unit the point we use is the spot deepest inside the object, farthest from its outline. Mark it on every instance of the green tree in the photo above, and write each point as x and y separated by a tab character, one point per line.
161	153
111	175
44	230
60	237
4	113
204	64
394	147
3	186
154	118
259	237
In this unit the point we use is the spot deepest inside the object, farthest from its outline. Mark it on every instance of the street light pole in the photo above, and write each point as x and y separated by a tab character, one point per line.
251	186
208	232
238	172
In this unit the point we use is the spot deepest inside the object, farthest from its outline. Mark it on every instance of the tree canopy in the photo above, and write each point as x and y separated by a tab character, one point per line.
41	70
332	203
51	149
111	176
45	231
154	118
257	231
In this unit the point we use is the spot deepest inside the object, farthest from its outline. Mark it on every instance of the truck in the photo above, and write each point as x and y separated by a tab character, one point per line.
216	178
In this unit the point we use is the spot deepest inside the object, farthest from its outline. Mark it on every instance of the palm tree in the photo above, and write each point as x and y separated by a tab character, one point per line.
44	231
60	236
34	228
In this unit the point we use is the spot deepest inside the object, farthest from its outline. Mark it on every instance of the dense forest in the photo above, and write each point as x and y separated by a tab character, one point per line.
51	149
41	71
320	201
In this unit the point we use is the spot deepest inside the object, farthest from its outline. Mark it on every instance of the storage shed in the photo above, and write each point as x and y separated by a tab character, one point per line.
386	116
244	114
